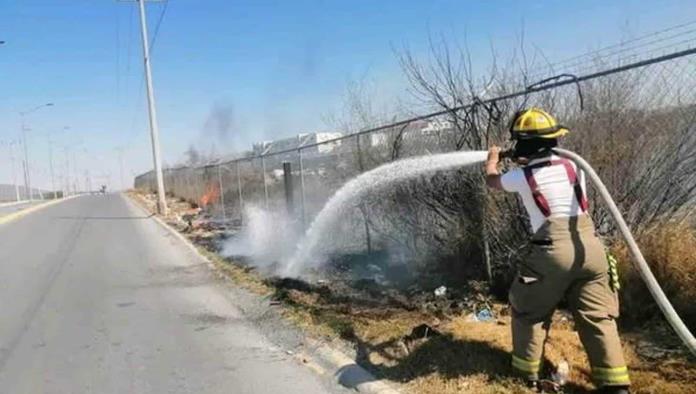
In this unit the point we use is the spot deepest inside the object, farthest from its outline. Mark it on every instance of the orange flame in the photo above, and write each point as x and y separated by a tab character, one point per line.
212	193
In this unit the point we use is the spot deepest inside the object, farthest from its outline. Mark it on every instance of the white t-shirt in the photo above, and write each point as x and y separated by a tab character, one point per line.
553	184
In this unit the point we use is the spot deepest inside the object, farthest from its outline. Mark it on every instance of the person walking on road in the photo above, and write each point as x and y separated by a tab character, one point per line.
566	259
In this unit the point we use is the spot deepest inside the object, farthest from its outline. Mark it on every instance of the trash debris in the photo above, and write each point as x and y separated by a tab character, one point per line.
441	291
484	315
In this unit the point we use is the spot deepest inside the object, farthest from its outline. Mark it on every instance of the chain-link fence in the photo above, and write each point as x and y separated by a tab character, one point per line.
634	123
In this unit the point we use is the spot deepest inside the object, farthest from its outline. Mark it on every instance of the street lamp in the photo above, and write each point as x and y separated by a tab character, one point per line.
27	177
50	163
10	146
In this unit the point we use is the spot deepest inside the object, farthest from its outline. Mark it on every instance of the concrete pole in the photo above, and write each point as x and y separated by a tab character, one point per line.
14	171
67	170
27	180
50	166
154	128
76	173
27	176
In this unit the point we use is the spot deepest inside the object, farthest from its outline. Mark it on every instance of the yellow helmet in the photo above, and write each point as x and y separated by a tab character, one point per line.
535	123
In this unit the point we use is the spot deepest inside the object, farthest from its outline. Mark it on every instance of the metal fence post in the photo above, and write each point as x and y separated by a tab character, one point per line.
289	189
361	167
239	190
265	184
222	194
302	190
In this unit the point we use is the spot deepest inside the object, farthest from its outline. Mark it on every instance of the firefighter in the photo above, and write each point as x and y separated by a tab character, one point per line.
566	258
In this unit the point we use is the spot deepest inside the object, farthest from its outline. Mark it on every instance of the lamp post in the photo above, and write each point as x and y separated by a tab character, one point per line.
27	176
14	170
50	163
10	147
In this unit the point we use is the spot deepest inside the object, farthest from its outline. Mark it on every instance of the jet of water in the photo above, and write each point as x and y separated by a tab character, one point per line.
378	178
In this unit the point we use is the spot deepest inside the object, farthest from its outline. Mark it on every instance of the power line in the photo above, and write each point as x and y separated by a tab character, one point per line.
141	85
157	27
622	47
647	54
624	43
130	40
118	55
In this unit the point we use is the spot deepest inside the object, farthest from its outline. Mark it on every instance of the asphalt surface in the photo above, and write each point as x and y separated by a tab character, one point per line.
95	297
6	209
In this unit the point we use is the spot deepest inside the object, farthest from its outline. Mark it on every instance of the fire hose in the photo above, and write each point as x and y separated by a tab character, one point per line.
641	265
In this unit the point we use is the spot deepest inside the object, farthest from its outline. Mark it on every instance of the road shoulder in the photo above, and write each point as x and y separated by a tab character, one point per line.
320	356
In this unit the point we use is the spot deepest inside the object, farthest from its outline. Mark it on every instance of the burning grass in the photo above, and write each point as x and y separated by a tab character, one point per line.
429	344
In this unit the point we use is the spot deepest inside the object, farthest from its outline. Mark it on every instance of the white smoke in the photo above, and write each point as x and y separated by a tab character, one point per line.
267	238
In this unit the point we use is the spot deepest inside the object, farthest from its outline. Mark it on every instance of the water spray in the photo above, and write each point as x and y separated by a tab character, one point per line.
307	254
641	265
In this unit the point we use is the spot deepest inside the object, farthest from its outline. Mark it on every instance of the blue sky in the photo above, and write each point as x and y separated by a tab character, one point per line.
278	67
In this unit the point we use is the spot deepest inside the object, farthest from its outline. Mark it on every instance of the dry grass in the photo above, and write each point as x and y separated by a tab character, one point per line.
670	251
469	356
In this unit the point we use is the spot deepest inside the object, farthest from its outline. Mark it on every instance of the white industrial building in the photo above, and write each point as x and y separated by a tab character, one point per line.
302	139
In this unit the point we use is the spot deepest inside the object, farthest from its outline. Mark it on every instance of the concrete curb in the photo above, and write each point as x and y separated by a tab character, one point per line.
16	215
344	369
9	204
347	372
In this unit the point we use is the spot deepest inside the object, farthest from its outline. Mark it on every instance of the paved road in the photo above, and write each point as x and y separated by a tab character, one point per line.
97	298
6	209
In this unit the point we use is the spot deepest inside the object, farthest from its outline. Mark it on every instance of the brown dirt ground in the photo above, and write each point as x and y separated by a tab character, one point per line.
451	353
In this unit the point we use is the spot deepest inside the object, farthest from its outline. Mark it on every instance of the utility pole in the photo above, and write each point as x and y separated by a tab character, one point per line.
50	166
154	128
76	173
14	173
25	163
50	163
67	169
27	176
10	148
